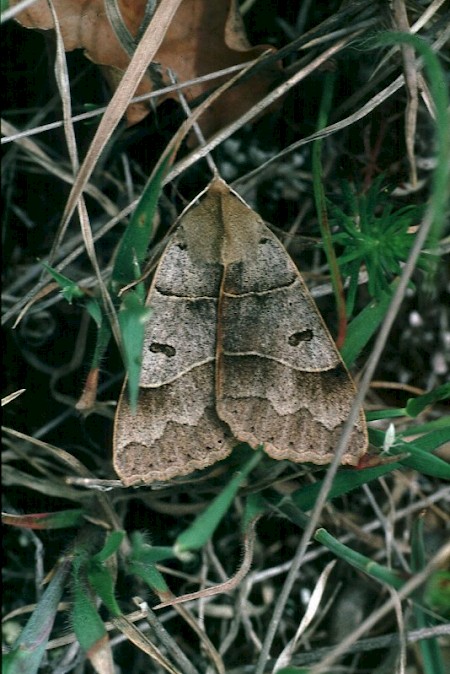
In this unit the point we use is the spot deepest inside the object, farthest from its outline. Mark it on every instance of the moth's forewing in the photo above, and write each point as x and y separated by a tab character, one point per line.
176	429
280	380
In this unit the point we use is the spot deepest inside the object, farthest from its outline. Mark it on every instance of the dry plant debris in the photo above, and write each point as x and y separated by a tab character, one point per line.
203	37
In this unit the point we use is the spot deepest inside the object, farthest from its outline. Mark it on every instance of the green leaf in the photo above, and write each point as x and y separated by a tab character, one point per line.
345	480
69	289
418	459
359	561
255	505
94	575
95	311
142	562
101	344
145	552
202	529
364	326
86	622
415	406
135	241
56	520
28	651
150	575
112	544
102	583
132	318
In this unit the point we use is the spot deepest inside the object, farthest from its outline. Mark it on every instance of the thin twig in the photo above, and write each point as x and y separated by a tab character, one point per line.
228	585
410	72
195	126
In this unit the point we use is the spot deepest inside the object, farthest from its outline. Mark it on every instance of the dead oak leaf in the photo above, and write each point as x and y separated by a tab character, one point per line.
203	37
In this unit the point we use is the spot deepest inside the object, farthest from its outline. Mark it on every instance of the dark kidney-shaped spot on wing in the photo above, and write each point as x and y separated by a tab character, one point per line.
300	336
166	349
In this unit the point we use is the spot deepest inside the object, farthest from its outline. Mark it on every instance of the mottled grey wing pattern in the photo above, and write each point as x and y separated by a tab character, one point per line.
281	382
176	429
235	349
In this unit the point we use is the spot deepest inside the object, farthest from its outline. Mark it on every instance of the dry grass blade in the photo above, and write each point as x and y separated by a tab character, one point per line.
12	396
440	559
71	463
143	55
285	656
365	110
139	639
207	644
91	114
44	160
167	640
56	452
410	71
190	620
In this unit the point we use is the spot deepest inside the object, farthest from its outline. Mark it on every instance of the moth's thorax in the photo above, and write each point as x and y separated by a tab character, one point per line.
240	236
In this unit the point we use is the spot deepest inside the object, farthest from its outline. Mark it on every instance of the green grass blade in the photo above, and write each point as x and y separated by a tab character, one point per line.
86	622
132	318
364	326
359	561
415	406
440	94
345	481
433	439
376	415
201	530
432	660
28	651
321	209
418	459
442	423
135	241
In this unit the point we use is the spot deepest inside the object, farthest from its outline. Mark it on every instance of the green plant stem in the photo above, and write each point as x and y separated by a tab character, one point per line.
322	214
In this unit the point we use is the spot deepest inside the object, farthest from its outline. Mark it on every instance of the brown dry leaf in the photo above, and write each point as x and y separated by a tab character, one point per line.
203	37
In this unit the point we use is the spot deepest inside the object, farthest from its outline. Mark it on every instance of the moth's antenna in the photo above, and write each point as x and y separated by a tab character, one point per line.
197	130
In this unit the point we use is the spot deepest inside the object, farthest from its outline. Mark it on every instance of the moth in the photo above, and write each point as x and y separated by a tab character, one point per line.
235	350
